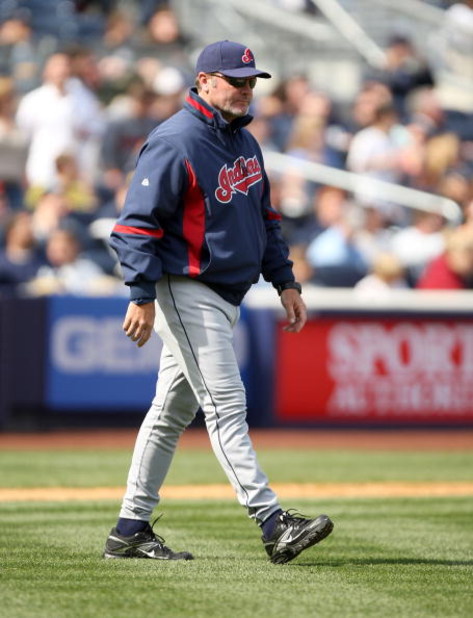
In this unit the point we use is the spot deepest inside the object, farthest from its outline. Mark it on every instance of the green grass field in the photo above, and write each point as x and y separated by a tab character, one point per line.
387	557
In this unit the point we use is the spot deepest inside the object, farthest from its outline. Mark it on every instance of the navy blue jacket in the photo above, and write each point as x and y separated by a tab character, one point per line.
198	205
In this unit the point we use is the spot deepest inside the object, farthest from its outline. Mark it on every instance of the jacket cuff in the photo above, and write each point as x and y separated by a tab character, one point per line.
287	277
144	290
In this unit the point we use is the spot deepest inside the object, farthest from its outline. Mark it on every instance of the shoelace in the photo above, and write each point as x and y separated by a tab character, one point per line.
292	515
158	539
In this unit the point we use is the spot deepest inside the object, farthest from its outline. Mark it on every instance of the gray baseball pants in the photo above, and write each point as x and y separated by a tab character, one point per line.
198	368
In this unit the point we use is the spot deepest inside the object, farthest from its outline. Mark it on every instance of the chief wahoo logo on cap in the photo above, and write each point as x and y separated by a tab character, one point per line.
247	56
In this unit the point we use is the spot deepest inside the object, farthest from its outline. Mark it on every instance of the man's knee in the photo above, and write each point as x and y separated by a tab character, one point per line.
228	402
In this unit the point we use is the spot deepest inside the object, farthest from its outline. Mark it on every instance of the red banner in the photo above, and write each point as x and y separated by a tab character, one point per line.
392	370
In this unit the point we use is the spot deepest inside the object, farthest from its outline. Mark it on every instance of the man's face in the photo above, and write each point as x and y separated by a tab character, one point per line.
233	101
57	70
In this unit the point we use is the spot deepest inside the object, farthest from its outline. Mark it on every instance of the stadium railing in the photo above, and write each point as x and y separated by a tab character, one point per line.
362	185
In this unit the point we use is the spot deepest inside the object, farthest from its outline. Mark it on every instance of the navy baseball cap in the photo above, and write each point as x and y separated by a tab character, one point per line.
230	59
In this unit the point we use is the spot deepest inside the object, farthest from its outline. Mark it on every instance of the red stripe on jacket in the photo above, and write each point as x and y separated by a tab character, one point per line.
127	229
272	216
193	227
198	106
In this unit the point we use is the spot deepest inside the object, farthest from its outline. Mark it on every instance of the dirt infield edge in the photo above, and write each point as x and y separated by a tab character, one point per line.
224	492
409	439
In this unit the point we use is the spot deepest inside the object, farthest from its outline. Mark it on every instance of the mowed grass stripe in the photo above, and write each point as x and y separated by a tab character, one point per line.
403	558
223	491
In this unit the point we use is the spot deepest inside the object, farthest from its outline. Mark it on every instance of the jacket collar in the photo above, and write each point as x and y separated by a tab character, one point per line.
208	114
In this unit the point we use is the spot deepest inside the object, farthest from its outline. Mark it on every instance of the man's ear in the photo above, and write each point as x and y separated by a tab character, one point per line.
204	79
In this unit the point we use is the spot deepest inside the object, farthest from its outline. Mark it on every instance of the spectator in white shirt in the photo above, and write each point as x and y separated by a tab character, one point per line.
56	118
385	151
416	245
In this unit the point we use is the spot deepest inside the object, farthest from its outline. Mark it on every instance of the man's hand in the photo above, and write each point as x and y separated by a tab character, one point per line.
139	321
296	311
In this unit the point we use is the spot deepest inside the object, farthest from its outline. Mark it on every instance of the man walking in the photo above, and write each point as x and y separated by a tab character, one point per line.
196	232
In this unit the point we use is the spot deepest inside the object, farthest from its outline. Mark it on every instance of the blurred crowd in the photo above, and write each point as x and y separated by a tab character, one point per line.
75	111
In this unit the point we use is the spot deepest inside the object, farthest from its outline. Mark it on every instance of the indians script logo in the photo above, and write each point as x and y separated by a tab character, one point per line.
240	177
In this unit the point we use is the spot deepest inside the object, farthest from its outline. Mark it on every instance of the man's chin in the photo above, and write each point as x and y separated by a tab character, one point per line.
234	112
239	112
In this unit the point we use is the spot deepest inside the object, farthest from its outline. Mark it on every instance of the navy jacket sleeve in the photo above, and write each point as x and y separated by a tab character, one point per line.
155	193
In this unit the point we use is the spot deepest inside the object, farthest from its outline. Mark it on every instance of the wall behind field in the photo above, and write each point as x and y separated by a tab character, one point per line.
407	362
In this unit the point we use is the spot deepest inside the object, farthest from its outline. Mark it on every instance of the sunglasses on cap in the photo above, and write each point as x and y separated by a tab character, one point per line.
238	82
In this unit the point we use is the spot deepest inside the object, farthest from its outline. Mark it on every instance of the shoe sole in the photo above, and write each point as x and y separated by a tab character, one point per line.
108	556
136	557
112	556
323	526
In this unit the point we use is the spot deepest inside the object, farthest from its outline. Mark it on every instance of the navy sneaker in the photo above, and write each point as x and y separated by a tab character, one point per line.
293	533
143	544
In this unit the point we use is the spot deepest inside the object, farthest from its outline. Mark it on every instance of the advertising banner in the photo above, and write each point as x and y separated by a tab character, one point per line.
376	371
92	365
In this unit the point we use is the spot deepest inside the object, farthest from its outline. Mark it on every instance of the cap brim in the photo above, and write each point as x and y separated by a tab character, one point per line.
244	72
